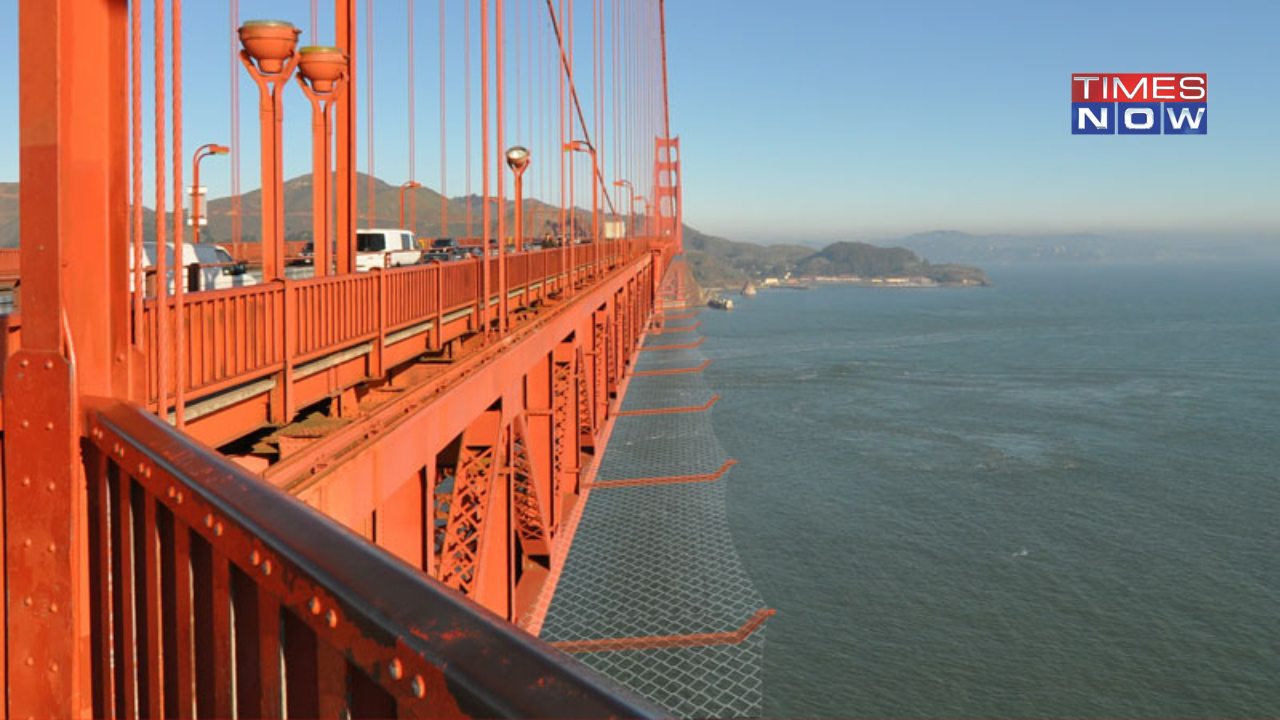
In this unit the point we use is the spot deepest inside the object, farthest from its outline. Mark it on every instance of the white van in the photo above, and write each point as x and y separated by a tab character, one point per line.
218	271
385	248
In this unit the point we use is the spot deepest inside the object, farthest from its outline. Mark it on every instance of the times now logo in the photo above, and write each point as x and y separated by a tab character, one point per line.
1139	104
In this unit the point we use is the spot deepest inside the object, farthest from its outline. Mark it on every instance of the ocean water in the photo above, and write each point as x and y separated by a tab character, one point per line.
1055	497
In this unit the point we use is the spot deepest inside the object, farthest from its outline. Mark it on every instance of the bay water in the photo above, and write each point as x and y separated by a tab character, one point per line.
1055	497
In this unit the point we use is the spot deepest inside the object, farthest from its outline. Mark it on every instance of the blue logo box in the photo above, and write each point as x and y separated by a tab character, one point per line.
1109	118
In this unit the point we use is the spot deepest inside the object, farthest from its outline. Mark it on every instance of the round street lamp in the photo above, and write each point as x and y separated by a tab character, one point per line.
518	161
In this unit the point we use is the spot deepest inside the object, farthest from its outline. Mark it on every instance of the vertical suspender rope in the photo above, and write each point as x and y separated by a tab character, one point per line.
499	43
179	263
161	335
486	206
135	89
564	233
412	126
444	148
368	61
466	34
235	132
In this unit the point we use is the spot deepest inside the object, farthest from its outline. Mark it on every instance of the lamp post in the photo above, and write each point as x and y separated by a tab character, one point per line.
408	185
202	152
645	204
518	161
270	55
631	194
584	146
322	75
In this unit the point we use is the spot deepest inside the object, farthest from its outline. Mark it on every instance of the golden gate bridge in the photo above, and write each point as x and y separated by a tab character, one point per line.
339	492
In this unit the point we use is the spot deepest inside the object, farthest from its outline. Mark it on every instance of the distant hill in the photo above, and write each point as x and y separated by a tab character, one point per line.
297	213
717	262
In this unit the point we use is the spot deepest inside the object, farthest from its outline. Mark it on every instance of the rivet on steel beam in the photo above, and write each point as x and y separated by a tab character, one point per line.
142	467
255	558
53	667
266	567
26	601
53	547
22	363
172	492
51	487
26	542
314	606
53	607
395	669
180	498
208	520
331	617
26	481
217	529
419	687
25	424
48	364
30	661
48	426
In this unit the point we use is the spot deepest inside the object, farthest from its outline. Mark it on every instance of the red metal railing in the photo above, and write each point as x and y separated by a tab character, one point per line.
231	335
239	335
218	595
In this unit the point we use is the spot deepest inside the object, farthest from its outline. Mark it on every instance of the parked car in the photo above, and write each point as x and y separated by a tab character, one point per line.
438	256
306	257
385	248
217	269
448	244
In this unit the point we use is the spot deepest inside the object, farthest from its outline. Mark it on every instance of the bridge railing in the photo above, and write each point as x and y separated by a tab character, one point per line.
239	335
218	595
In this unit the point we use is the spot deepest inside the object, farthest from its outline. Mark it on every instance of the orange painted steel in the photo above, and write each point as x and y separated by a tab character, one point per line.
671	410
271	84
755	622
665	330
673	371
323	102
148	575
667	480
693	344
363	634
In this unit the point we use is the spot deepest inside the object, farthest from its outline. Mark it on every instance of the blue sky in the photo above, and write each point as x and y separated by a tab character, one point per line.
830	119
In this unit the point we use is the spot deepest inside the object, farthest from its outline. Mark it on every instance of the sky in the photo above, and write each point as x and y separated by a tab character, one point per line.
842	119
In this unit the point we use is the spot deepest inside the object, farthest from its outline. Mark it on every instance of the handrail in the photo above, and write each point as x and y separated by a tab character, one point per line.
243	334
363	633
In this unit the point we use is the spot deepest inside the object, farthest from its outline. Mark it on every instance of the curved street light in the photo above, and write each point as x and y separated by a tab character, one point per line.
631	194
202	152
408	185
584	146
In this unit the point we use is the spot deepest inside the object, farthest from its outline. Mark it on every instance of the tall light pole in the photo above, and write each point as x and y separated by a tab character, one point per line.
631	194
644	203
322	74
405	186
518	161
584	146
202	152
270	55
